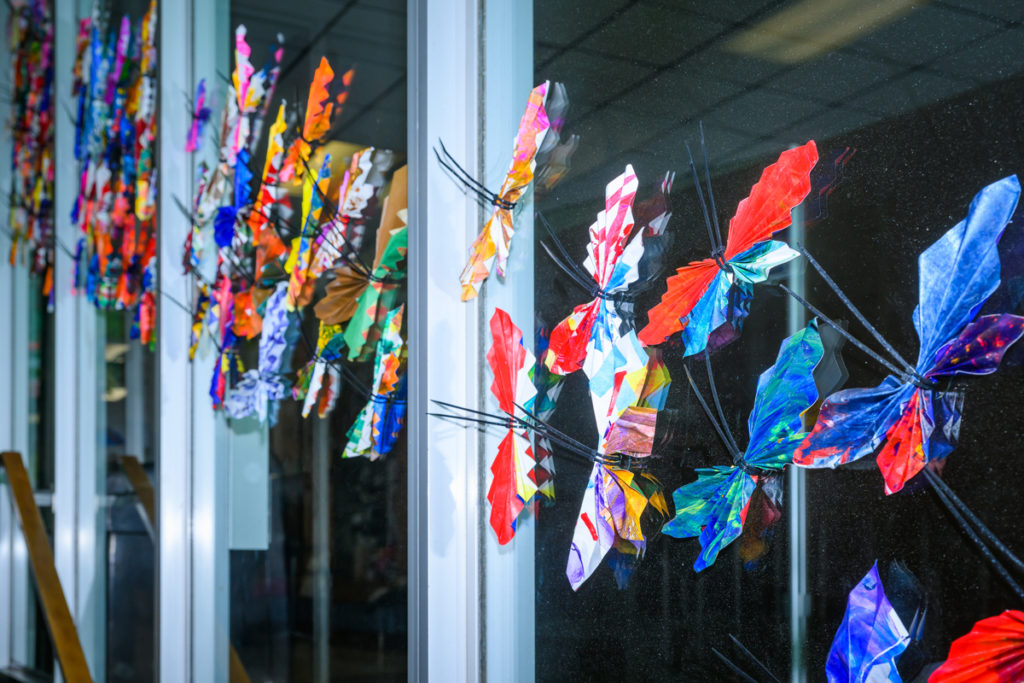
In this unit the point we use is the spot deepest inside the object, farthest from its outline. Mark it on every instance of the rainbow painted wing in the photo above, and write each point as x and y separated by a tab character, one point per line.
302	246
495	239
870	639
512	486
610	517
958	273
259	391
377	298
614	266
782	186
993	652
377	426
714	508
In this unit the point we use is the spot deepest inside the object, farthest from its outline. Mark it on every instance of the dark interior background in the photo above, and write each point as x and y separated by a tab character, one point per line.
927	95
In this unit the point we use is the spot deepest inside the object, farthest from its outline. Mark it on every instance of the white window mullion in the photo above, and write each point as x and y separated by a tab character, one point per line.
174	408
444	363
210	45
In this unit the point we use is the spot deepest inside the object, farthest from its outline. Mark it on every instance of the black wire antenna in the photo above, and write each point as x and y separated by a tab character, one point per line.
528	421
981	535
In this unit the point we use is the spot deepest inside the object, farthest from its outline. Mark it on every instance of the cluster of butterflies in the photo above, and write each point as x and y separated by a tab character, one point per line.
909	422
30	201
268	263
115	92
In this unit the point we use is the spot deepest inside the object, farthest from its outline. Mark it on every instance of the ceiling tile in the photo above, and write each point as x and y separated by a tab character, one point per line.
652	34
716	63
729	11
909	92
591	78
925	34
761	111
834	77
825	124
1001	10
556	24
680	94
994	59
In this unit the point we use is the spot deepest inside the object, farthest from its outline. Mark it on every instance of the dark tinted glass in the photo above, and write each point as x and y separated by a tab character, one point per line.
926	96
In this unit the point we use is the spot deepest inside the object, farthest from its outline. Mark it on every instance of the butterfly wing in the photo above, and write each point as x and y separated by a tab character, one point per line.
378	296
784	392
610	517
960	270
870	638
852	423
685	290
767	209
512	486
957	275
613	265
494	240
993	652
713	508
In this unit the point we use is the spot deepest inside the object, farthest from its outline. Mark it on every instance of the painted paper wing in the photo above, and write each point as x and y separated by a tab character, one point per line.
373	433
714	508
913	425
782	186
512	484
613	266
379	296
299	285
494	241
993	652
610	517
870	639
259	391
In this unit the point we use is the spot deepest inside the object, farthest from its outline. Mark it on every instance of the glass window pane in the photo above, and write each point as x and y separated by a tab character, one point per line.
324	596
911	107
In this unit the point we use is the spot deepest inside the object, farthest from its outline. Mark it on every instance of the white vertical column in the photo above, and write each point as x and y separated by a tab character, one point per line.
210	45
174	443
509	607
444	492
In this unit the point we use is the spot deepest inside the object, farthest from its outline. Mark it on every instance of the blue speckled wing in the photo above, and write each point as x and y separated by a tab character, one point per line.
870	639
852	424
784	392
960	271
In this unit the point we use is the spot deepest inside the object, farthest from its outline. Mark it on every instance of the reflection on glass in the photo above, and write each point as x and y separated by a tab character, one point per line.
325	599
129	417
39	459
923	93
